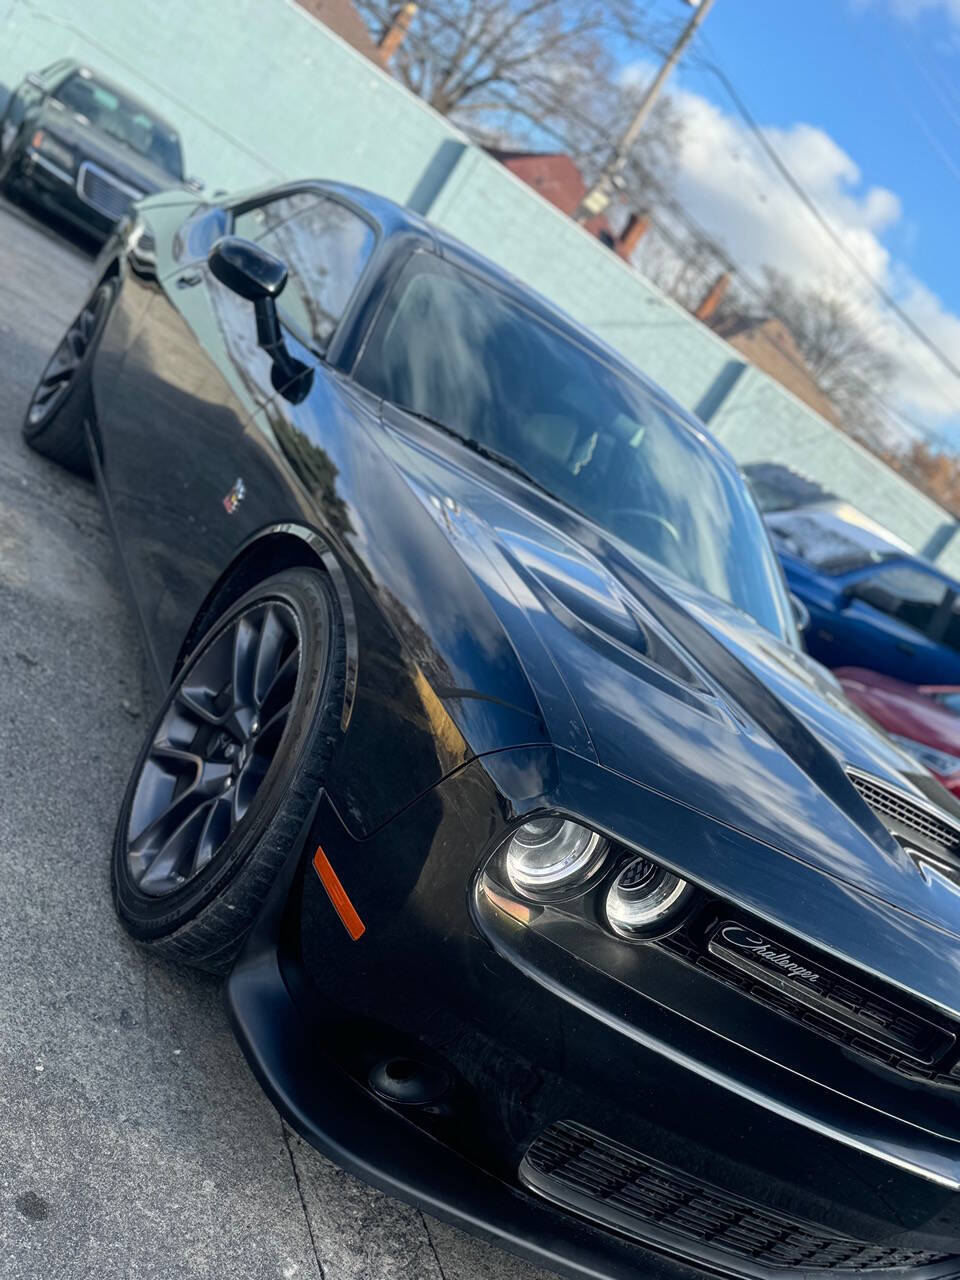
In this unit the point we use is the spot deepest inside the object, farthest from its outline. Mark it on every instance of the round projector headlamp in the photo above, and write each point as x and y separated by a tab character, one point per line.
645	899
551	853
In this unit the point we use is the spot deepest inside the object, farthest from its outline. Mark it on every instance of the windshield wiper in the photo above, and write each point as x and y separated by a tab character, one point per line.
491	455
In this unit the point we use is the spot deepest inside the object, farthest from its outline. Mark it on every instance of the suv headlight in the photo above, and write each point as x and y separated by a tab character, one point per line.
54	150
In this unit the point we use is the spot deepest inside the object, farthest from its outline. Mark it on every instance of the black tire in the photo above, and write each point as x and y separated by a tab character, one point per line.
63	399
9	164
201	916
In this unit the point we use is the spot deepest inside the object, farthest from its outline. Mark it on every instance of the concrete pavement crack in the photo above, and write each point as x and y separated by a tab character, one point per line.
433	1247
303	1202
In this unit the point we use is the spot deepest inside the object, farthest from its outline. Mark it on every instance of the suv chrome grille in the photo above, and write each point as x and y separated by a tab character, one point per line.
907	814
107	194
618	1187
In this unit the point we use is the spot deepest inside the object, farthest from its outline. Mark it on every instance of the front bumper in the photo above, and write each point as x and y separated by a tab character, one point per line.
55	189
527	1036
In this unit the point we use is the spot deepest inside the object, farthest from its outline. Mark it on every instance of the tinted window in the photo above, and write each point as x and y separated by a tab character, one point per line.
905	593
453	349
124	120
951	636
325	247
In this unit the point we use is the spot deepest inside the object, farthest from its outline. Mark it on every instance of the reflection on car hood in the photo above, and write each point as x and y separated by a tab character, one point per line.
93	144
676	690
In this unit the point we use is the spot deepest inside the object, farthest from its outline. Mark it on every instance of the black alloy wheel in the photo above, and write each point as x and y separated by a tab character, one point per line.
63	401
213	747
231	771
67	360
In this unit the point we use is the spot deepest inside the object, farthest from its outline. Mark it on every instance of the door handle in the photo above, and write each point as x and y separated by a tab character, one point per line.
189	279
906	648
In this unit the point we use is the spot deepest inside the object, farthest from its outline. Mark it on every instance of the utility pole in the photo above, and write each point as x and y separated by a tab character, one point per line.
598	197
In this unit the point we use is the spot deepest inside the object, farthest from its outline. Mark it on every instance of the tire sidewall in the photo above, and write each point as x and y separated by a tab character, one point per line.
317	619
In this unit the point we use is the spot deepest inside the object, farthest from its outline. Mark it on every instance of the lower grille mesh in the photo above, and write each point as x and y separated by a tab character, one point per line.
575	1165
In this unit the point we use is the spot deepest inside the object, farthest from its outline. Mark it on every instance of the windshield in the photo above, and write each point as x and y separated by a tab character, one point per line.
451	348
124	120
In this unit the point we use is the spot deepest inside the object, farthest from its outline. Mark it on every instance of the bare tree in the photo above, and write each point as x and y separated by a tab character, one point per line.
537	72
838	347
680	262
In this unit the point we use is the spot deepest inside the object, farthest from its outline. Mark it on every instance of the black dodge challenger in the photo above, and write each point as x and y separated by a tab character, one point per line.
557	890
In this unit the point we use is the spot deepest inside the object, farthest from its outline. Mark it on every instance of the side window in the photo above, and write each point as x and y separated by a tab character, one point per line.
325	247
951	637
908	594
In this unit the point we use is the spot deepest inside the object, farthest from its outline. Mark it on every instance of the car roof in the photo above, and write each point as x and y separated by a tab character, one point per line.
394	220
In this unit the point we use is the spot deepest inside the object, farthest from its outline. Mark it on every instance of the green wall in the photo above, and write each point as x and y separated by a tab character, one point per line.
261	91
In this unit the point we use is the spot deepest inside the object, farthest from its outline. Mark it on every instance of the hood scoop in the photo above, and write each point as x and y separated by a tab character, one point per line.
910	819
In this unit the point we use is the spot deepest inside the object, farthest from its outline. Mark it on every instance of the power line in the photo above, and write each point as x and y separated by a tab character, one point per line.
814	210
891	411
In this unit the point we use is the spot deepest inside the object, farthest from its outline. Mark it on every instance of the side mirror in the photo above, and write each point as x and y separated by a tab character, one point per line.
801	613
249	271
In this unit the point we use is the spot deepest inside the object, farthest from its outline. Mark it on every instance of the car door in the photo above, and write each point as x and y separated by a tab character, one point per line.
192	465
890	620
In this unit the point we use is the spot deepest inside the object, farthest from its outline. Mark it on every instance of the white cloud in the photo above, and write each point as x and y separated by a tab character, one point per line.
730	187
912	9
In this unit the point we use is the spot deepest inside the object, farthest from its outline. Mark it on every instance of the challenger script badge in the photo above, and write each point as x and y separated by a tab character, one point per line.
867	1015
745	940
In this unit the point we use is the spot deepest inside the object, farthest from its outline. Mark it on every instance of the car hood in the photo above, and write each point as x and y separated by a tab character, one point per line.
90	143
669	687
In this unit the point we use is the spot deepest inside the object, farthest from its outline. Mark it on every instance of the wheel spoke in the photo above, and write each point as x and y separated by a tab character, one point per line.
246	788
246	639
216	828
177	852
281	689
274	639
76	345
198	703
270	733
213	746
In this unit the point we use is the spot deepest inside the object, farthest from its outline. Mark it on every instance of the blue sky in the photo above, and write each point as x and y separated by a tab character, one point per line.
862	99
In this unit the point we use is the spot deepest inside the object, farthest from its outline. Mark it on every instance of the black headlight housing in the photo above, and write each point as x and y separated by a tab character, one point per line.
552	864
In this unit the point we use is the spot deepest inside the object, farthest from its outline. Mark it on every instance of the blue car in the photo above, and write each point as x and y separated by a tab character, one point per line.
871	602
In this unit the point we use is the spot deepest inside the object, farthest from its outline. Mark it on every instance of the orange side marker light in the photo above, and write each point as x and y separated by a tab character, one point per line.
338	895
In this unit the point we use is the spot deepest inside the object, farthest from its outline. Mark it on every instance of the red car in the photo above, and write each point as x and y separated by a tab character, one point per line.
923	719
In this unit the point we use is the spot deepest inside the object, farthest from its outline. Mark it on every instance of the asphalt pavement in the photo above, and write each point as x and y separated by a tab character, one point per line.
134	1142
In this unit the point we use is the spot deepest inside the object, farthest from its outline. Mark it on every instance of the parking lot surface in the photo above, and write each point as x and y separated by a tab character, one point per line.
135	1142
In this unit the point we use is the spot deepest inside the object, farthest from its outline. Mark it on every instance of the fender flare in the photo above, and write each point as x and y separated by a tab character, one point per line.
271	549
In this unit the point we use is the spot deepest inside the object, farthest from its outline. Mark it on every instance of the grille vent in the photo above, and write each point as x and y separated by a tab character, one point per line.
107	195
874	1006
621	1188
907	814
